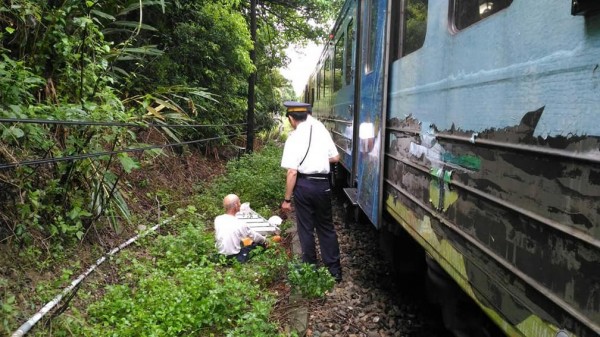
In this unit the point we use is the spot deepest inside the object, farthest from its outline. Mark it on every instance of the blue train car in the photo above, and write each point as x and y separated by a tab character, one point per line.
470	127
347	91
331	87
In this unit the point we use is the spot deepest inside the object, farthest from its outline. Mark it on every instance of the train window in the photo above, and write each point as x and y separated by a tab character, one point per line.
319	84
349	43
468	12
323	83
309	90
409	34
327	79
415	25
338	64
371	10
306	94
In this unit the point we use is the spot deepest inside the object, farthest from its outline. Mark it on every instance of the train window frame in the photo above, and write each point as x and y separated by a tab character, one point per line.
402	31
323	82
348	56
309	95
484	13
338	53
315	89
319	83
370	32
327	89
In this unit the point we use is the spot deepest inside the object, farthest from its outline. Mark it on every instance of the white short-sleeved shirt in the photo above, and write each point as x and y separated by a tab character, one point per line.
321	149
229	232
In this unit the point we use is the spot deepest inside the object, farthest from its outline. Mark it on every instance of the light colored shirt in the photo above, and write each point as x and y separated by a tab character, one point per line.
229	232
321	148
313	121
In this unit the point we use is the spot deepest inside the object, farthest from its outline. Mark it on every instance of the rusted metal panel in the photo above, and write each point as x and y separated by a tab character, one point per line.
524	220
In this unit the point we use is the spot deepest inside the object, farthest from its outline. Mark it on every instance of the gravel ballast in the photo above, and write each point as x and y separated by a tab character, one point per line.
370	301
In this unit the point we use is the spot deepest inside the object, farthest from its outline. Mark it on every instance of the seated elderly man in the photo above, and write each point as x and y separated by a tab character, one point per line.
229	232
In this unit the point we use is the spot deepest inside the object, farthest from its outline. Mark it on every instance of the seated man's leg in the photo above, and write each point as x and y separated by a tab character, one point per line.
244	254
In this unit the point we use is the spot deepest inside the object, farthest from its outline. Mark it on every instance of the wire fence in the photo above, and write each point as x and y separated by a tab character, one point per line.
93	123
35	162
106	153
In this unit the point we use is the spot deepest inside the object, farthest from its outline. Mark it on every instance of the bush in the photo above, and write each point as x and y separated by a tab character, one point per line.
310	281
189	302
256	178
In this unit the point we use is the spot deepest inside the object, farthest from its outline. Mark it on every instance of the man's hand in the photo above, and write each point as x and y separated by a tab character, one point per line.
286	206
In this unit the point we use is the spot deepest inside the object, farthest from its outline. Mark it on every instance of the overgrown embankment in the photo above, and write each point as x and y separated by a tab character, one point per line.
103	105
171	282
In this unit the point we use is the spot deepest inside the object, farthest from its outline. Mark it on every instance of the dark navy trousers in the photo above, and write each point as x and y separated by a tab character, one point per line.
312	199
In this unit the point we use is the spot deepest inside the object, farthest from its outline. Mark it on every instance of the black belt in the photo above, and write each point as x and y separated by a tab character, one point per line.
318	176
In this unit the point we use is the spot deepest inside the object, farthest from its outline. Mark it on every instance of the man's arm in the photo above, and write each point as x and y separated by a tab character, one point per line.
334	159
257	237
290	182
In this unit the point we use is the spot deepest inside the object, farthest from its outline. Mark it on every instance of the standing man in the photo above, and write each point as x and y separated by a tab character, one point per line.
307	154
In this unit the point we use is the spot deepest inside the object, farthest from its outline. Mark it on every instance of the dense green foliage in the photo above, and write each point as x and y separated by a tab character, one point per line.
310	281
58	65
177	285
152	64
182	289
258	180
185	294
182	62
206	44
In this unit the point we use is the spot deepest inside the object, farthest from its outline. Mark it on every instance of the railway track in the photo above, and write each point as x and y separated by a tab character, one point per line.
371	301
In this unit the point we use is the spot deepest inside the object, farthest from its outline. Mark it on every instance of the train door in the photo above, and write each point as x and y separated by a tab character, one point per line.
339	119
370	112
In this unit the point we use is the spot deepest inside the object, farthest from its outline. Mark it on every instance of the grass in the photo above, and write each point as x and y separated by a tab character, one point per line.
173	283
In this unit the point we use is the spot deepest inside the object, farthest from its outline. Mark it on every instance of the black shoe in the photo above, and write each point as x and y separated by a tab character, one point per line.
337	277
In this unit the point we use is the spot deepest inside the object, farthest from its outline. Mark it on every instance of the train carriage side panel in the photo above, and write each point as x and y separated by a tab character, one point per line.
334	104
493	159
340	120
